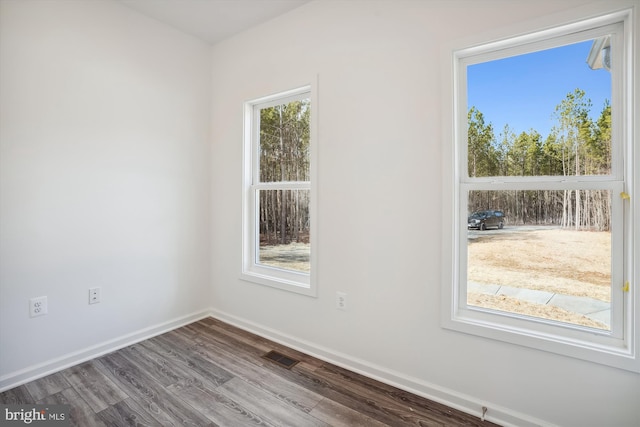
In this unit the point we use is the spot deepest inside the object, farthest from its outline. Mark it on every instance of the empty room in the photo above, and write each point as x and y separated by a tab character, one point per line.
320	212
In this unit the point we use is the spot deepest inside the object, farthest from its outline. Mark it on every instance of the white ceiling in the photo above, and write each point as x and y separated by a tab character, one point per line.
213	20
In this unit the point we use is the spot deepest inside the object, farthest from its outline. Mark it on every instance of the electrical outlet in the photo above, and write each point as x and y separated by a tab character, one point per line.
341	301
38	306
94	295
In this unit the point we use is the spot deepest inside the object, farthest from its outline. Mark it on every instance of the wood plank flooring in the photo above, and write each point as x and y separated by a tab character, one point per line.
209	373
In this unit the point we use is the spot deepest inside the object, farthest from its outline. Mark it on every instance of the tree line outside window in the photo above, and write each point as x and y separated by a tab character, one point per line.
577	145
284	158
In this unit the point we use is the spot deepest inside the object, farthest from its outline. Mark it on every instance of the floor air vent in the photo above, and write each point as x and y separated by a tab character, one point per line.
281	359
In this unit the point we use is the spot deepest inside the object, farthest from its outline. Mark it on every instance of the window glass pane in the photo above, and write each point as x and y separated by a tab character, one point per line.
284	229
284	142
547	254
542	113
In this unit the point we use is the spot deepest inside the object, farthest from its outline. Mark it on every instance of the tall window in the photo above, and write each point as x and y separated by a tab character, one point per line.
542	250
278	197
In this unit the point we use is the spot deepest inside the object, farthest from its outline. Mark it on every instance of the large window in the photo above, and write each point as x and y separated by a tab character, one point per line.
541	238
278	191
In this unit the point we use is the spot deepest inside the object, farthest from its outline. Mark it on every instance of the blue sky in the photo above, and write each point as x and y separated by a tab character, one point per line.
523	91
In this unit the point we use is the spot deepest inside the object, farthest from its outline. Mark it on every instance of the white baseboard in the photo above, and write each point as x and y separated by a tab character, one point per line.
34	372
451	398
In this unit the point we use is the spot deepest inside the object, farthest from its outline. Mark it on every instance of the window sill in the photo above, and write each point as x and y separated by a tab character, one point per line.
578	342
298	287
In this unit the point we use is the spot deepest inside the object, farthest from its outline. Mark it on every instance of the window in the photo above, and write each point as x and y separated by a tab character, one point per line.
540	239
278	192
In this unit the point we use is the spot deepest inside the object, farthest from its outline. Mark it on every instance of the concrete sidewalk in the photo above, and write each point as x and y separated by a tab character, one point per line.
597	310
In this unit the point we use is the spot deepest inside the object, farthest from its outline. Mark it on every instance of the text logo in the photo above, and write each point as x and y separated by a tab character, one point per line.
34	415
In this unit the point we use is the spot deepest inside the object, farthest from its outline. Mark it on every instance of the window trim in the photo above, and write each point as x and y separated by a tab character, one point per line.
584	343
251	271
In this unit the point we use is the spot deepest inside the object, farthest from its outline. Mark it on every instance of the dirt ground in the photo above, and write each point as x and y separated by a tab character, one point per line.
561	261
554	260
294	256
513	305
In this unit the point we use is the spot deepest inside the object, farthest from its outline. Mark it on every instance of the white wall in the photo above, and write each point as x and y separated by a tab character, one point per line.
105	179
380	174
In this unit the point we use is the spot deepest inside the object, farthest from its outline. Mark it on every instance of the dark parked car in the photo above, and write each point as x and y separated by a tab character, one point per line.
482	220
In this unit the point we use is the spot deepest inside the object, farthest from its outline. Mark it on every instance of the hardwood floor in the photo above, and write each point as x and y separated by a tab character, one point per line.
209	373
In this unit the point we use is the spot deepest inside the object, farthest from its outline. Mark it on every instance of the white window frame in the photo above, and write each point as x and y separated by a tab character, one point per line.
252	271
619	346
